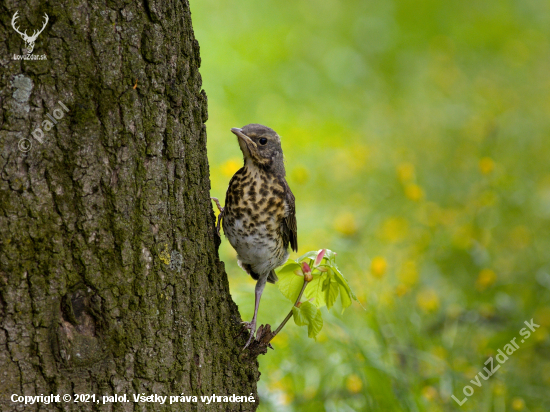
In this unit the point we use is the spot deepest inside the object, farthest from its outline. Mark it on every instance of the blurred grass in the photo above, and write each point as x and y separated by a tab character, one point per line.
417	144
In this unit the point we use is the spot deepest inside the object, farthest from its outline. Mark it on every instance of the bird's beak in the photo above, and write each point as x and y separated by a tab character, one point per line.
239	133
248	147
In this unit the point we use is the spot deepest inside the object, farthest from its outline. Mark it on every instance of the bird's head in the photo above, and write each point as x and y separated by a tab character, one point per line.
261	146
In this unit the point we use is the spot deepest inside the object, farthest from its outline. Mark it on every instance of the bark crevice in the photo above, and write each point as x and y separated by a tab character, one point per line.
110	281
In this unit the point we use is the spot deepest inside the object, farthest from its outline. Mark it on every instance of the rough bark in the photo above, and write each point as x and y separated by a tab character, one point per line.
110	281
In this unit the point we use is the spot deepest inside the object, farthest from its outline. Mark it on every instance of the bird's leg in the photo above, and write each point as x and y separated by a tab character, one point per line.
260	285
221	209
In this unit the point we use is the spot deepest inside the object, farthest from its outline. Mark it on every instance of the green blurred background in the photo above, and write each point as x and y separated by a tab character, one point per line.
417	144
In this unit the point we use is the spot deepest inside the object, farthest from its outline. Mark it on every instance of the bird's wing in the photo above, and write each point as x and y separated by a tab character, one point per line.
290	229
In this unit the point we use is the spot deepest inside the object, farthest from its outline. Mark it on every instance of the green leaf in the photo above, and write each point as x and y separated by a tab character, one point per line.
299	316
308	314
289	283
330	255
314	291
323	290
344	298
331	291
309	255
326	283
316	325
346	294
289	266
342	280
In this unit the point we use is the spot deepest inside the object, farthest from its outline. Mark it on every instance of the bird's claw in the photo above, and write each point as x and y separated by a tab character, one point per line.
251	326
250	339
247	325
220	216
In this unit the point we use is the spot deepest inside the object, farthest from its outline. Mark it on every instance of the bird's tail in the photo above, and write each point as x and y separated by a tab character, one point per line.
272	277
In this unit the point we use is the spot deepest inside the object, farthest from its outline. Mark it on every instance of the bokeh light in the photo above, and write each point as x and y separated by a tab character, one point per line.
416	138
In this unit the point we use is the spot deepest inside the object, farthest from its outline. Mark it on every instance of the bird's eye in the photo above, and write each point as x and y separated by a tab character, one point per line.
263	141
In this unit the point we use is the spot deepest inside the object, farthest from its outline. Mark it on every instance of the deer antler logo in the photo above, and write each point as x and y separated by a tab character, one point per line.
29	40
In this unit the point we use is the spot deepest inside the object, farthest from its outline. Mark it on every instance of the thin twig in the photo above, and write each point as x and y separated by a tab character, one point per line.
290	313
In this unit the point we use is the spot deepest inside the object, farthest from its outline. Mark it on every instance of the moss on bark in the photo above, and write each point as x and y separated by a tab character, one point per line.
110	281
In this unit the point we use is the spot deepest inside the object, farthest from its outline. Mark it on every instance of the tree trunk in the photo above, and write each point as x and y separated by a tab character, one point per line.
110	281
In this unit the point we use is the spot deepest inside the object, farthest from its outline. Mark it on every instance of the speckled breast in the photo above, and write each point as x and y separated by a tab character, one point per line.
254	210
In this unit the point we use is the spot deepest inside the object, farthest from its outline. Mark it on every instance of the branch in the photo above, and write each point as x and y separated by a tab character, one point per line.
290	313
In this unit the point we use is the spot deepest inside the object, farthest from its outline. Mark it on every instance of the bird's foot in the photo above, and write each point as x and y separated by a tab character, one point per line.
220	216
259	342
216	200
247	325
251	326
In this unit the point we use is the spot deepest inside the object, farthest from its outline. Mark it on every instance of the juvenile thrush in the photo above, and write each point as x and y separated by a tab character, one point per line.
259	217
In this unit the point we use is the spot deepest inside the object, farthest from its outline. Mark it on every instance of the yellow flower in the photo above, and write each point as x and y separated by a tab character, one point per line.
429	392
405	172
408	273
354	383
518	404
378	266
486	278
486	165
229	167
428	300
345	224
414	192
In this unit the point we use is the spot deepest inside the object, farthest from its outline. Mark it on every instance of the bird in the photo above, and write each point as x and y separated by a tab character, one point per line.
259	215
